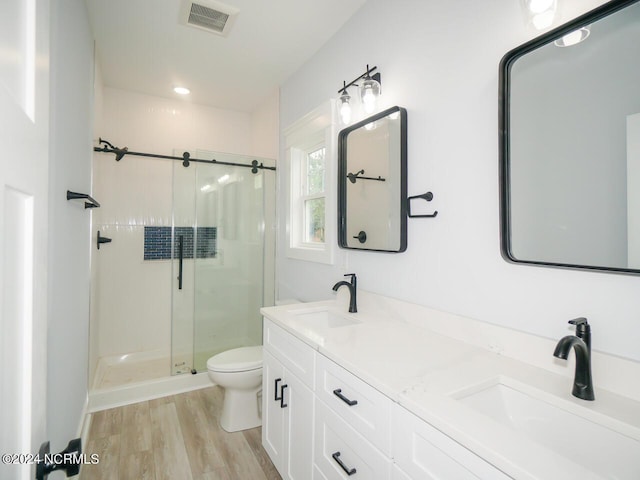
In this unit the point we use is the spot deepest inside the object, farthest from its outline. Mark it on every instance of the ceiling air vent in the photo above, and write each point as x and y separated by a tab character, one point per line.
207	15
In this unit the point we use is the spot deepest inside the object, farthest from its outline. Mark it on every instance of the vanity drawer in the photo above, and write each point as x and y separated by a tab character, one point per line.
336	442
397	474
425	453
364	408
295	355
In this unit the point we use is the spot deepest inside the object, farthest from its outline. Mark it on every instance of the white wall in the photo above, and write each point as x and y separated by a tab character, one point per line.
440	61
132	297
70	169
265	129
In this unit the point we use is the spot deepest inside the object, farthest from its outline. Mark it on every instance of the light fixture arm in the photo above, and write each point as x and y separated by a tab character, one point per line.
367	74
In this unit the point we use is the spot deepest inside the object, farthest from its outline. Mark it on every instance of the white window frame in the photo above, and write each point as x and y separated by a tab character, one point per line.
314	130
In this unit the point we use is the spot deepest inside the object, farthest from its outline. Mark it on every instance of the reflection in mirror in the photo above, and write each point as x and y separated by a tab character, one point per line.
372	183
570	144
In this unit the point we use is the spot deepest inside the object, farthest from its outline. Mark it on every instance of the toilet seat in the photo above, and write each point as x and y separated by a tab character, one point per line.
241	359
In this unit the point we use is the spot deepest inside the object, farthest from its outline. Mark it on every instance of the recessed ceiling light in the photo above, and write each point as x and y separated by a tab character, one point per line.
181	90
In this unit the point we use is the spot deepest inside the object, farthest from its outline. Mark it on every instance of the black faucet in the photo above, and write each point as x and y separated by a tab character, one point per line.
353	307
581	342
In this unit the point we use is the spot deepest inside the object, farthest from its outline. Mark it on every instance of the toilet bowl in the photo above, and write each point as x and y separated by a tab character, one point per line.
239	373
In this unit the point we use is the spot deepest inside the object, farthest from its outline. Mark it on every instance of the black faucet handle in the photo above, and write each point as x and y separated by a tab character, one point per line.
581	323
352	275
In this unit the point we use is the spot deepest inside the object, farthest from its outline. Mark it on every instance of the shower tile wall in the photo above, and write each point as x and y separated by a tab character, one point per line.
134	297
132	311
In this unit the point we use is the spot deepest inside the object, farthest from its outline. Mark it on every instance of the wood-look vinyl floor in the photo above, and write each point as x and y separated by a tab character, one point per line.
175	437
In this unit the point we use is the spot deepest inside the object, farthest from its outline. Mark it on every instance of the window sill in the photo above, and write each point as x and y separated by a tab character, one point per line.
311	253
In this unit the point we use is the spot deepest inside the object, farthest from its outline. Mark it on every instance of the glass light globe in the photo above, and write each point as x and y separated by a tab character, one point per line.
344	108
369	93
543	20
539	6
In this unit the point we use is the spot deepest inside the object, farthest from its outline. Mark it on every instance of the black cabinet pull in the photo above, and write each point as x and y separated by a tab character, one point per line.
336	457
282	404
338	393
276	397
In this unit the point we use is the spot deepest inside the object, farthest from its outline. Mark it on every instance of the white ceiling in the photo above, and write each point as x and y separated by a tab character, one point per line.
141	46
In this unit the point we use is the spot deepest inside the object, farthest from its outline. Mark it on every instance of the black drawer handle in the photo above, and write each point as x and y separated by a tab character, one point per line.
336	457
275	388
282	404
338	393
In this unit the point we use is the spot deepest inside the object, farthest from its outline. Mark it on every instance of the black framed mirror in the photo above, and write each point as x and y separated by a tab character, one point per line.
570	144
372	183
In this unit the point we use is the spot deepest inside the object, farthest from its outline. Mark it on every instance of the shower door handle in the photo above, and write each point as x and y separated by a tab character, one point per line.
180	256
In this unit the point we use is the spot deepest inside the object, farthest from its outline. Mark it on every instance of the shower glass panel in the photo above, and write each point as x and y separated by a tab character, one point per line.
218	225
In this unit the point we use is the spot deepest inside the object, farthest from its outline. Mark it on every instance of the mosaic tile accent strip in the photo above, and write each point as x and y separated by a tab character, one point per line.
187	242
206	242
157	242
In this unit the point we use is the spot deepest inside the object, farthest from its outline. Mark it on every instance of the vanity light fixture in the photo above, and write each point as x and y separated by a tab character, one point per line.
573	38
369	93
343	105
181	90
540	13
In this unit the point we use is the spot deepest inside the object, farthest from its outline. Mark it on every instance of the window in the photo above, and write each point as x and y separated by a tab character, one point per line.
311	218
313	196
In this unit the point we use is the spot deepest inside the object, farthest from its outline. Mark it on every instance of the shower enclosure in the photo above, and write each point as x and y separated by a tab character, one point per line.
217	265
185	273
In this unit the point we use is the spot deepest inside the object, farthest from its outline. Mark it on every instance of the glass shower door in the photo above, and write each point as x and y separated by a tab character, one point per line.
219	228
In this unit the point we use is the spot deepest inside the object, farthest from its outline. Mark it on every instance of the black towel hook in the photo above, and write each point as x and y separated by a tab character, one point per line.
91	203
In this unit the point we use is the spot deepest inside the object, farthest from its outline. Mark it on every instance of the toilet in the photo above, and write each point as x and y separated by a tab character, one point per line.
239	372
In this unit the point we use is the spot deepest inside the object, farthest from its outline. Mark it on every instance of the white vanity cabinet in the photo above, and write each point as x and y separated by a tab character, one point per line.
397	474
422	452
352	426
288	402
359	404
321	422
340	451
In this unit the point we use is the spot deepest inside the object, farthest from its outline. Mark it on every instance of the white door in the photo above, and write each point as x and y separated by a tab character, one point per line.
24	112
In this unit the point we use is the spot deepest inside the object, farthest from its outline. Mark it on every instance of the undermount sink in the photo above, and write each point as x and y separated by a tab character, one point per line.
558	425
322	319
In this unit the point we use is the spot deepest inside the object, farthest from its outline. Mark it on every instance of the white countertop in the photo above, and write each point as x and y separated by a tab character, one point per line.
396	349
